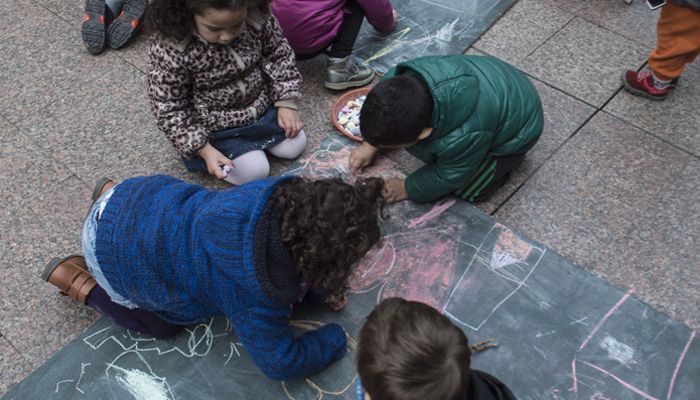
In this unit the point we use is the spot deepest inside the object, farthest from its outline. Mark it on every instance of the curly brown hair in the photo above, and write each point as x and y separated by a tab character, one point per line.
328	225
175	18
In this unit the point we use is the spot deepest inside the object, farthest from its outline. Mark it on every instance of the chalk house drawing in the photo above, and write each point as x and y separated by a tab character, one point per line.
477	295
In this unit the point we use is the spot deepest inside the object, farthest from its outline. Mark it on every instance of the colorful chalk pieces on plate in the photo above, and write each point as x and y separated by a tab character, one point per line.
345	112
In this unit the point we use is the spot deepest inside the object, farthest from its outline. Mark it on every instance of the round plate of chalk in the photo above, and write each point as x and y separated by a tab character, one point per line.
345	113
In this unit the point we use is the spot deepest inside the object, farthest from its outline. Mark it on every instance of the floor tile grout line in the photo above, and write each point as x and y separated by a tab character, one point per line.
573	17
29	364
556	150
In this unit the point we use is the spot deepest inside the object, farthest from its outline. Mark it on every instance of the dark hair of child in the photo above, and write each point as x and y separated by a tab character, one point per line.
407	350
396	111
328	225
175	18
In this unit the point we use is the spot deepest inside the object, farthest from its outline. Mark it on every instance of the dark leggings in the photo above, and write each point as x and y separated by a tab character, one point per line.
347	34
504	166
135	319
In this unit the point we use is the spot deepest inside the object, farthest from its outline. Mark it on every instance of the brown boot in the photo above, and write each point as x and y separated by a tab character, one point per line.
70	275
101	186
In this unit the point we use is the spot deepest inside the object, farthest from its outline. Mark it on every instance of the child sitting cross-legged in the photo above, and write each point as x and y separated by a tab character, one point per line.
407	350
471	119
160	253
224	86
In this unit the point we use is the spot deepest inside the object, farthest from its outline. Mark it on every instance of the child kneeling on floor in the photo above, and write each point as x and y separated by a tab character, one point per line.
160	253
407	350
471	119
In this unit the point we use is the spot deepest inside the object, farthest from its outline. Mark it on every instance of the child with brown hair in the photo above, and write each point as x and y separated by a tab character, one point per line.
160	253
224	86
407	350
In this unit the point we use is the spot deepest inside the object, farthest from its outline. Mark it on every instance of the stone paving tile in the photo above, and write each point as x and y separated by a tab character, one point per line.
563	115
525	27
104	128
634	21
30	238
26	168
136	50
36	319
623	204
584	61
37	71
675	119
33	316
13	368
71	11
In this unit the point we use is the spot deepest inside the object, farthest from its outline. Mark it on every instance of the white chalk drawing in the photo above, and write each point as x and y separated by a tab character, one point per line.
144	386
504	254
618	351
317	383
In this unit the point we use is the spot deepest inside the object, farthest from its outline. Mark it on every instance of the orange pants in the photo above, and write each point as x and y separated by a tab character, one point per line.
678	41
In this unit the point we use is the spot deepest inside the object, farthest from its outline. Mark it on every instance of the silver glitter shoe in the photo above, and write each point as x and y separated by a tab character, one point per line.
344	73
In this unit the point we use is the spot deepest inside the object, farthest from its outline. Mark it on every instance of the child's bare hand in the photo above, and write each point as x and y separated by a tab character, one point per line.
289	120
395	190
337	302
396	15
361	156
215	160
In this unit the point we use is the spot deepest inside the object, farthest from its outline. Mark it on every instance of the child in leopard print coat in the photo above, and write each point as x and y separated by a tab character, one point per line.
223	86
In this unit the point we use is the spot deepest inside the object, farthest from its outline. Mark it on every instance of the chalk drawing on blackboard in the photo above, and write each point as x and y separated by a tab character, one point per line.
400	261
331	161
434	212
623	355
77	383
441	39
477	296
331	380
141	383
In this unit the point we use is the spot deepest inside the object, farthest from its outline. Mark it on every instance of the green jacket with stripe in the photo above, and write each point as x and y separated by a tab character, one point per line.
482	107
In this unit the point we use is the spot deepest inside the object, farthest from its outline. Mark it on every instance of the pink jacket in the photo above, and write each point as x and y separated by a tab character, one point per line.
311	25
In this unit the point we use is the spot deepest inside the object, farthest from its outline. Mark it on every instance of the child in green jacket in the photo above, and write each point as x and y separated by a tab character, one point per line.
471	119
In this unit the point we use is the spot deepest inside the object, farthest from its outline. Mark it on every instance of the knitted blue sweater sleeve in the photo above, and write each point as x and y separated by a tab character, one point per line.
270	342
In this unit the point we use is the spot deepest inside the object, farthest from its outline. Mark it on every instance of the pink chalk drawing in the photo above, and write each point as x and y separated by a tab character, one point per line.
417	265
432	214
615	377
331	161
678	364
503	254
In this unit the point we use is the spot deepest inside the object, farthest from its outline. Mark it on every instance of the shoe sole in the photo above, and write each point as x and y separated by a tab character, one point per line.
638	92
348	85
94	32
52	265
121	30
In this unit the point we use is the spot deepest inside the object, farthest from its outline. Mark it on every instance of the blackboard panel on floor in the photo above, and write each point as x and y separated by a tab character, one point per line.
563	333
428	27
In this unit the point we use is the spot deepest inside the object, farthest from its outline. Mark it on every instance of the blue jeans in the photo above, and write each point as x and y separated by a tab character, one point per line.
89	235
234	142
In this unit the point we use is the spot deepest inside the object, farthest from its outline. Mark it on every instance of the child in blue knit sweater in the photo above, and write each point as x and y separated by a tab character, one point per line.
160	253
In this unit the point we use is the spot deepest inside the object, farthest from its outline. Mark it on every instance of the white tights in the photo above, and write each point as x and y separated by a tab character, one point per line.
254	165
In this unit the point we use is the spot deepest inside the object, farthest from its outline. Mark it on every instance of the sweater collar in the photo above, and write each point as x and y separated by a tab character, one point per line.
274	267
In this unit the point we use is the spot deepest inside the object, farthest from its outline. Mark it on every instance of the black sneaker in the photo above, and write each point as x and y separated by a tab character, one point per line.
126	23
94	29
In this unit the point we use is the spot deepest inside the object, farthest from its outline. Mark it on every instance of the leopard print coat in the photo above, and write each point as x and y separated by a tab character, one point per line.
196	87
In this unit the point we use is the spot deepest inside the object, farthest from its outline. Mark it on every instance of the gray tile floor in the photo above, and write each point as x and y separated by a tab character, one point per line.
614	183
